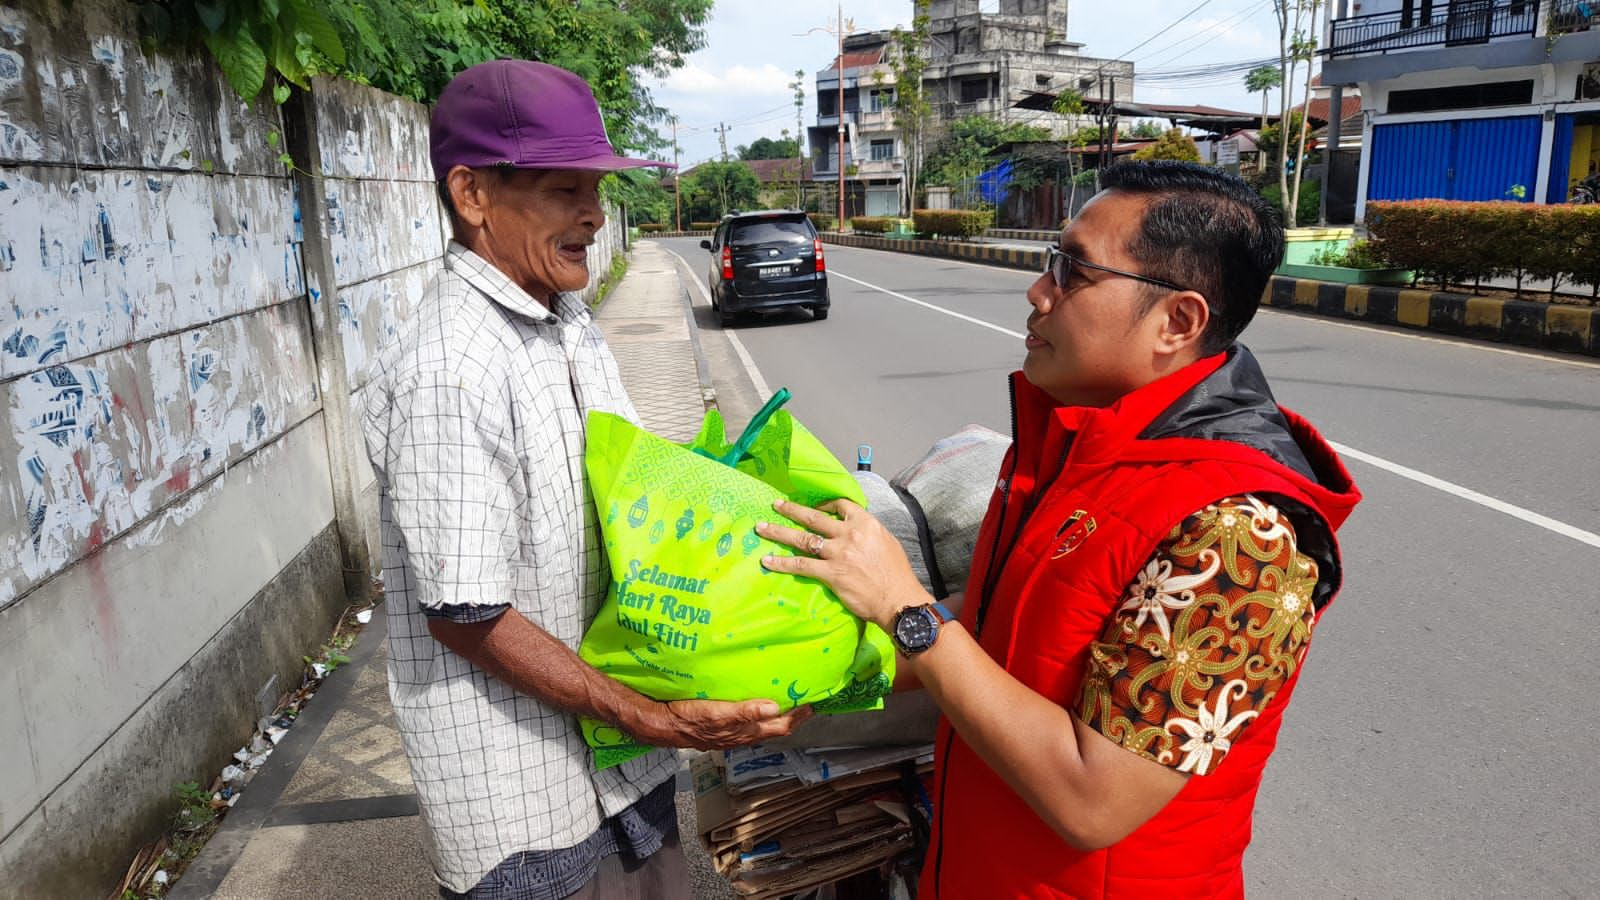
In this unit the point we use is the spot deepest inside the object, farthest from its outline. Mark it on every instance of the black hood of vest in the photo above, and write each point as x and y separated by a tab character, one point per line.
1234	404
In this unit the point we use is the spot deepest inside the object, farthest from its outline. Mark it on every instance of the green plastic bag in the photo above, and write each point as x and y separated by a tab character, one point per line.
691	612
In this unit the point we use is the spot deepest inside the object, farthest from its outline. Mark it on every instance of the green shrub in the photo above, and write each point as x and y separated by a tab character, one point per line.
1583	243
871	224
1309	208
703	226
952	222
1458	243
822	221
651	228
1359	255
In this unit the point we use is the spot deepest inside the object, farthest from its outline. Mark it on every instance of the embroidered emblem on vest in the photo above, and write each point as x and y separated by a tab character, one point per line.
1073	532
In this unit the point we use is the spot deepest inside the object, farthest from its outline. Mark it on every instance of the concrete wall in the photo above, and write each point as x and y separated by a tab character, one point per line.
182	489
157	379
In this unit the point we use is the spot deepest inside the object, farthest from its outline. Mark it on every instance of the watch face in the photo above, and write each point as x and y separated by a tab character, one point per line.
915	629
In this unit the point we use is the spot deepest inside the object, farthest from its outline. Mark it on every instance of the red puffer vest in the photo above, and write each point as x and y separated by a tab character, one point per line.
1085	497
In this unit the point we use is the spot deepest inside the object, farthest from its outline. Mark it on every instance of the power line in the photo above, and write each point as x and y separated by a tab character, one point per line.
1175	23
1215	26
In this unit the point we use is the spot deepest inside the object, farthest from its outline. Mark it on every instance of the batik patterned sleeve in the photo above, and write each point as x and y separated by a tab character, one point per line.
1206	636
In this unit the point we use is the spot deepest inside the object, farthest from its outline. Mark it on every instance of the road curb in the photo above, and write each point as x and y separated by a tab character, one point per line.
1550	326
708	390
259	801
1022	234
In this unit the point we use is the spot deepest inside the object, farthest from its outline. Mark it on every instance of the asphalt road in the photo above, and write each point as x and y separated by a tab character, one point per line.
1440	742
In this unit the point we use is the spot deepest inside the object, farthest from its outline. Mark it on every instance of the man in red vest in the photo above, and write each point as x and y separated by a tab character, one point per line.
1158	551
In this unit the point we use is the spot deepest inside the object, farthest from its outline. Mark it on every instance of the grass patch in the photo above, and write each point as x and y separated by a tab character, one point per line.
200	809
619	267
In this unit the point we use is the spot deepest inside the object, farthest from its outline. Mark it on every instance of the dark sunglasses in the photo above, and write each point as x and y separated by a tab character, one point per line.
1059	266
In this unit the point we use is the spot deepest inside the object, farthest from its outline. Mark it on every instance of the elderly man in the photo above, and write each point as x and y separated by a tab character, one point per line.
492	557
1157	552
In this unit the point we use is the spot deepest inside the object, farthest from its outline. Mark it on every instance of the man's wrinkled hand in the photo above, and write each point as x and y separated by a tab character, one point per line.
719	725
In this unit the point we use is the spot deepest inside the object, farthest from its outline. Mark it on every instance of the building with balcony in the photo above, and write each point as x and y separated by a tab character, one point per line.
983	63
1470	99
873	153
978	64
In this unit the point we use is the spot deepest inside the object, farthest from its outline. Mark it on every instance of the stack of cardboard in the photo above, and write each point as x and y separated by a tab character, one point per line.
778	821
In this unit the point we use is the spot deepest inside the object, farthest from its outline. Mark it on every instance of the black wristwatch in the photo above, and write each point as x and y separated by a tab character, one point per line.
917	627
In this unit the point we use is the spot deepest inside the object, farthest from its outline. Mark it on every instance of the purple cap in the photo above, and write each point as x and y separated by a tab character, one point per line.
529	115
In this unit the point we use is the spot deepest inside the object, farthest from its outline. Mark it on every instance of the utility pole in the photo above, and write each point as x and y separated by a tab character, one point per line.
840	27
1111	152
677	179
722	138
799	86
1100	118
839	224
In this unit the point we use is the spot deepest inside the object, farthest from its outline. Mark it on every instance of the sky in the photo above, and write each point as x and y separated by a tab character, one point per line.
742	76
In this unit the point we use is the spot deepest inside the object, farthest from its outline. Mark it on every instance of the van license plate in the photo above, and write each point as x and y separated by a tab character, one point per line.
775	272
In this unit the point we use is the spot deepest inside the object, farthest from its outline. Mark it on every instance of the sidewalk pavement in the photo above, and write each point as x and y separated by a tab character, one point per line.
333	812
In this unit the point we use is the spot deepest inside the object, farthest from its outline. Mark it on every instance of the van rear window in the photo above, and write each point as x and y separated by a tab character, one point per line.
771	231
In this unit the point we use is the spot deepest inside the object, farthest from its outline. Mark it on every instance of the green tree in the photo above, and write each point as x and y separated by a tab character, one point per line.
912	113
1270	141
414	47
1294	18
1146	131
1261	80
767	148
962	152
1174	144
711	189
641	195
1091	134
1305	50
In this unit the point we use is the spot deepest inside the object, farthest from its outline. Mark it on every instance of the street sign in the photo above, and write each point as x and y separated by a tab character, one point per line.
1228	152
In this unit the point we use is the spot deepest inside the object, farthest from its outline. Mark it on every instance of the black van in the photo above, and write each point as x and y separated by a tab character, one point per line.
766	260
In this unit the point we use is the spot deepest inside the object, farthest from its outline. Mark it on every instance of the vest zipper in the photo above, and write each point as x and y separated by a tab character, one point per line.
991	578
1000	528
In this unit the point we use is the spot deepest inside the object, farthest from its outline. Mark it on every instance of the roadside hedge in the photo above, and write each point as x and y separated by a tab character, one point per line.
1458	243
651	228
951	222
822	221
871	224
703	226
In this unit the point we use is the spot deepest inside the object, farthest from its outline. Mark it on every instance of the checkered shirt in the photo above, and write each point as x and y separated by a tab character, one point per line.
475	424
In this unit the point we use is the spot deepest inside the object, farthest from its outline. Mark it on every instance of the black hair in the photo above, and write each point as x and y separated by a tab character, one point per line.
1208	231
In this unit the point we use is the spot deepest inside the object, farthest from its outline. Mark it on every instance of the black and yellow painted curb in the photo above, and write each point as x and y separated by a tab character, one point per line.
1574	329
1023	234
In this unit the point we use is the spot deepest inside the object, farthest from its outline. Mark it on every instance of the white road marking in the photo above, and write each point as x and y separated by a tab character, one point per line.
979	322
738	346
1517	512
1368	327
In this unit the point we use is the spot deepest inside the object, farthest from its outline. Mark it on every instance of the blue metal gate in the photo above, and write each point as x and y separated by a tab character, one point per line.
1411	161
1561	160
1470	159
